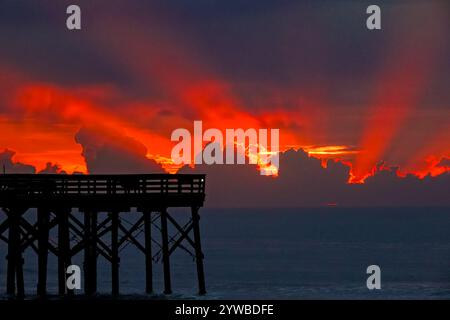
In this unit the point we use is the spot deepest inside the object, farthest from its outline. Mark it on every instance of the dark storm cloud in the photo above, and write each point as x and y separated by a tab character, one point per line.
51	168
112	153
9	166
303	182
444	163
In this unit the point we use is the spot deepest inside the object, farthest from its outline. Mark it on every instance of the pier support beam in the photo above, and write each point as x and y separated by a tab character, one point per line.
90	252
198	251
19	274
64	255
87	241
94	252
11	257
165	252
115	260
148	251
43	231
15	261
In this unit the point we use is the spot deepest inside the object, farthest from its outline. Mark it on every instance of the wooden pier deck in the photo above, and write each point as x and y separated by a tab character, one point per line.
56	195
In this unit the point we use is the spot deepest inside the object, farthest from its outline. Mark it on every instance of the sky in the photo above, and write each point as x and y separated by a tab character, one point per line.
107	97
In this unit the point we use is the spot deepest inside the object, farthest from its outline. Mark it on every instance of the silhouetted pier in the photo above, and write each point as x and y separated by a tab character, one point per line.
55	196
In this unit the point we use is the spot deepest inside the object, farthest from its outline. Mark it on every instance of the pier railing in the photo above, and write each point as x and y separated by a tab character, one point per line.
106	191
101	184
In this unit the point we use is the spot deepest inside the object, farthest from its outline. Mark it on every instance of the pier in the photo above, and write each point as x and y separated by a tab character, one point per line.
53	198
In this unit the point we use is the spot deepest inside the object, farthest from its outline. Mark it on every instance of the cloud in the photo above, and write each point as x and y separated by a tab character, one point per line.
9	166
51	168
444	163
108	152
304	182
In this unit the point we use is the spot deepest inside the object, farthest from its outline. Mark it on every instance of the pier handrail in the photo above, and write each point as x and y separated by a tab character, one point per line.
108	184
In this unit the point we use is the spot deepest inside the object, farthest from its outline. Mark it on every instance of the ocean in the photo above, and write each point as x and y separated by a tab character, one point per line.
306	253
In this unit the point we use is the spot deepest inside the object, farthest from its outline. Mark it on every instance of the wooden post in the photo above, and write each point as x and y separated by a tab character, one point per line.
148	251
64	256
94	234
68	256
115	252
19	273
90	252
87	255
15	260
19	258
43	231
165	251
198	251
12	253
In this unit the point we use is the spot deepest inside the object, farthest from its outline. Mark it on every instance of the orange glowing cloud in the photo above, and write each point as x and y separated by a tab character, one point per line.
48	103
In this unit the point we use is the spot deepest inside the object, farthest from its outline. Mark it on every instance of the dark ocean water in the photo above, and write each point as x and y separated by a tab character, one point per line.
298	254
